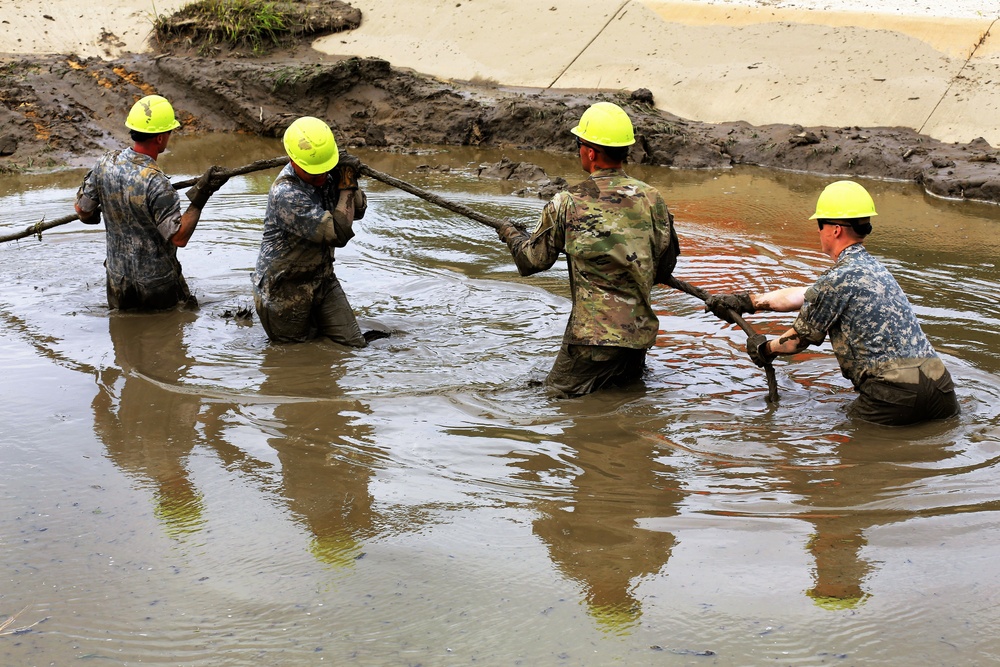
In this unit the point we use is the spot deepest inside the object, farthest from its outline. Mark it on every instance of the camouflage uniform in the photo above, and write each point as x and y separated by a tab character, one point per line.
878	342
296	293
619	239
141	211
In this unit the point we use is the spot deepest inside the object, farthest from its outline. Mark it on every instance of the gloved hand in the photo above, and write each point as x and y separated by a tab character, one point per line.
207	185
757	350
346	172
721	304
509	230
94	219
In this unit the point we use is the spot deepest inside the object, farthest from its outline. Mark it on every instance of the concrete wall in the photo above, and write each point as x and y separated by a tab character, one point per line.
709	61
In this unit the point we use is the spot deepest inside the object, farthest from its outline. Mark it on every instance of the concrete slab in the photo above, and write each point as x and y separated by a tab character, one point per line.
104	30
970	107
525	43
720	63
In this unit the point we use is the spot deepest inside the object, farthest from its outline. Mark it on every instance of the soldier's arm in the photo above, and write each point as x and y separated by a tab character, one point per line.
189	221
789	342
783	300
539	250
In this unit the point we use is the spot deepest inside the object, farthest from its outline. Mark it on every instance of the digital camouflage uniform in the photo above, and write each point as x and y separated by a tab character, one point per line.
296	293
619	240
878	342
141	212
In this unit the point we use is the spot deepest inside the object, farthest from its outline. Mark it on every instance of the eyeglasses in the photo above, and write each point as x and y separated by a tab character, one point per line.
820	223
580	142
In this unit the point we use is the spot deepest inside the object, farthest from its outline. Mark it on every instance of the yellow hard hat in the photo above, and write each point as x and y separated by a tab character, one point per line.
152	115
844	200
605	124
310	144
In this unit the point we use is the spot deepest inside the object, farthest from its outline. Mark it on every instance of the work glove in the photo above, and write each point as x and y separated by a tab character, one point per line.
508	231
207	185
721	304
94	219
757	350
346	172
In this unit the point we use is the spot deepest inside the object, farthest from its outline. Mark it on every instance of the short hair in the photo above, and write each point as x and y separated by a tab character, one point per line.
140	137
616	153
860	226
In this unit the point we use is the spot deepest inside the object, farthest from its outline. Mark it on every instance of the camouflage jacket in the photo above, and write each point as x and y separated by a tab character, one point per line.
301	231
619	240
871	325
141	212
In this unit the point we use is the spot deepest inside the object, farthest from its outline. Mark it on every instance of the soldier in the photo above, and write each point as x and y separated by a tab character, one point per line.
619	241
311	210
142	213
874	332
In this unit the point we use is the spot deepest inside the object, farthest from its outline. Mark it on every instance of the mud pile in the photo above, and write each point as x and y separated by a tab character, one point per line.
63	111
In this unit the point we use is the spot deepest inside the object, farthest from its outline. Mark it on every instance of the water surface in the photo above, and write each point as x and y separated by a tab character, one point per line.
177	490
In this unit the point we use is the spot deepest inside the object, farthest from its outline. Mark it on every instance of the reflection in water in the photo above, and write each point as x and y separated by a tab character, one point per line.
326	463
148	423
590	528
847	494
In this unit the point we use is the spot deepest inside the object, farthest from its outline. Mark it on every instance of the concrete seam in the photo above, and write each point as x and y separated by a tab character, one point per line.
933	111
586	46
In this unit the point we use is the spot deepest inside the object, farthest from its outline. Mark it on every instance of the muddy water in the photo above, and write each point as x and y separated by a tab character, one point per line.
178	491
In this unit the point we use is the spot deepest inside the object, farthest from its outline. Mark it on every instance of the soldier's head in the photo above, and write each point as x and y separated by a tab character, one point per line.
843	214
311	147
150	116
603	136
847	204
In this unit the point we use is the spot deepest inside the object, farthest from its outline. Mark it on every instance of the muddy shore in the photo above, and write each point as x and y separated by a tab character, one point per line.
62	110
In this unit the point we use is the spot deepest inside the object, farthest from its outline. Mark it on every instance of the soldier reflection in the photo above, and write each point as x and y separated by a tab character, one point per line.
147	423
327	461
592	534
844	496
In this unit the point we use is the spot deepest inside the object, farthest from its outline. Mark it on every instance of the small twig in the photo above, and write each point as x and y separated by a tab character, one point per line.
11	619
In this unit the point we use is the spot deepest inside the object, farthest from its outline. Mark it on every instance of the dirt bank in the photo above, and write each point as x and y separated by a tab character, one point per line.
63	110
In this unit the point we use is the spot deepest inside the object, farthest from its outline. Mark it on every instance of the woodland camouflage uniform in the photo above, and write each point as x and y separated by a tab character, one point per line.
296	292
878	342
619	239
141	211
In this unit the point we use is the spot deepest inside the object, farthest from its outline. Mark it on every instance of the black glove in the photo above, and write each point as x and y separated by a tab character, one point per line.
721	304
757	350
94	219
346	172
207	185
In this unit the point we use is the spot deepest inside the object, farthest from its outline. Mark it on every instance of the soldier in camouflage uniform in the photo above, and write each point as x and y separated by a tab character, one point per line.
619	241
874	332
142	214
311	210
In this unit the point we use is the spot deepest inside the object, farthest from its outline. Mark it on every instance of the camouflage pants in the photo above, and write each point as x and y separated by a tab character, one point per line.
582	369
294	315
126	295
906	396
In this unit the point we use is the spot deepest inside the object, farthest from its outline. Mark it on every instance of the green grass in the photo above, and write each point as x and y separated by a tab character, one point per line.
254	24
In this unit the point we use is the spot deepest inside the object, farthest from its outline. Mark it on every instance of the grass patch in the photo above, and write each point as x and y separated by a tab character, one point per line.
257	25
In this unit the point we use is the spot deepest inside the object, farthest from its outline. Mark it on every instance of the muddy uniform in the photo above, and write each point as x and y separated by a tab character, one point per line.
619	239
878	342
296	293
141	211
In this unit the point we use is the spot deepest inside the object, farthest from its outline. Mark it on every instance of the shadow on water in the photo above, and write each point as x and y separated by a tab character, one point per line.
184	488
